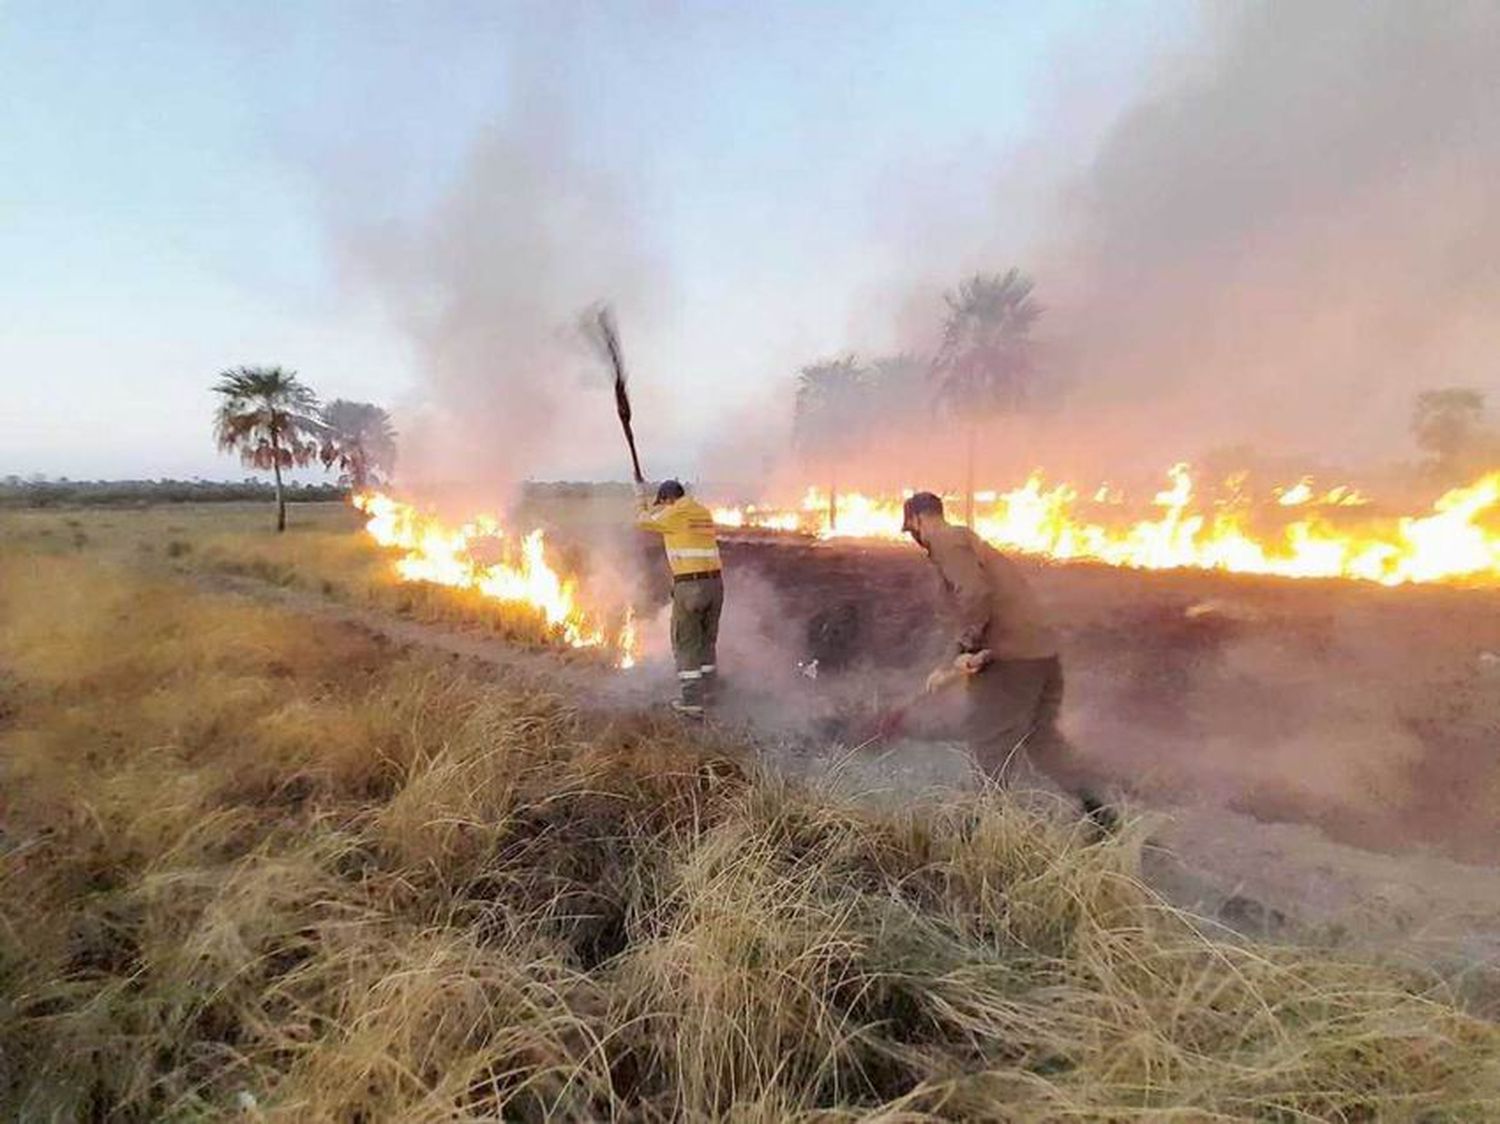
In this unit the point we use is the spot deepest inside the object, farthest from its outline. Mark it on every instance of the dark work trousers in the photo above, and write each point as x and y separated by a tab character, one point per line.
1012	708
696	606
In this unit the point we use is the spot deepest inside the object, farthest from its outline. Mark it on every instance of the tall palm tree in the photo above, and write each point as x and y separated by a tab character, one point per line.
359	438
270	419
987	362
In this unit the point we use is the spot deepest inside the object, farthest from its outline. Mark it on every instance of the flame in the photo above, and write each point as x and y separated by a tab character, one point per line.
1297	495
1305	533
461	557
763	518
1301	494
1344	496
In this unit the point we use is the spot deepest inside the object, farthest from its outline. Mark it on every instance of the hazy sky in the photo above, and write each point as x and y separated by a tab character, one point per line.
179	183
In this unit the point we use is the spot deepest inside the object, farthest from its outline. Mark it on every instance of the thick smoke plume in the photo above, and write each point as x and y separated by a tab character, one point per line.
1275	248
1287	243
489	287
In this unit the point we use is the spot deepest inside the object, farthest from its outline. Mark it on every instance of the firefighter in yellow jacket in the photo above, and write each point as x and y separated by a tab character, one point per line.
687	531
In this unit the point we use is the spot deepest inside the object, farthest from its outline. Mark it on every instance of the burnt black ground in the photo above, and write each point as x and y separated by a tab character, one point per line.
1373	713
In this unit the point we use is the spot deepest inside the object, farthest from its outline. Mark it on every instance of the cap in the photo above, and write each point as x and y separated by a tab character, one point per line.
919	503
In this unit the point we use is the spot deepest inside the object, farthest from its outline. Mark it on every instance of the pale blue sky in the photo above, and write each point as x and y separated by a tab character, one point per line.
173	175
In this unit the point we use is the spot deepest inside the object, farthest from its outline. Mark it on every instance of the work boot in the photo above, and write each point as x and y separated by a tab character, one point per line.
1103	820
690	705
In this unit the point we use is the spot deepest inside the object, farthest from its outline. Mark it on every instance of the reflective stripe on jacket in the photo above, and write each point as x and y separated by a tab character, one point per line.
687	531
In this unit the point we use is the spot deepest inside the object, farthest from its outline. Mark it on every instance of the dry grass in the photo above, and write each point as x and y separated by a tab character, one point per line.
320	553
258	866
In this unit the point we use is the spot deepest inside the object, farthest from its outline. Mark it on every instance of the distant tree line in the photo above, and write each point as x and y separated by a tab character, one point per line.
275	422
17	492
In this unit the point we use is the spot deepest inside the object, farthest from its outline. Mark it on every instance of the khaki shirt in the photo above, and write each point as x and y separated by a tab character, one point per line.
994	606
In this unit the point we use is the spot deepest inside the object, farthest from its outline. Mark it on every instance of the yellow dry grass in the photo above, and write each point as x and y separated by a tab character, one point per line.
259	866
321	553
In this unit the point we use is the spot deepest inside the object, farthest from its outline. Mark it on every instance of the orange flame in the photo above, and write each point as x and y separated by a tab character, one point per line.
457	556
1457	540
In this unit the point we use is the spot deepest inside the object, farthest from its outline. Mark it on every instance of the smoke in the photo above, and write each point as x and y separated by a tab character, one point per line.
1278	242
1274	247
1292	705
1293	237
489	287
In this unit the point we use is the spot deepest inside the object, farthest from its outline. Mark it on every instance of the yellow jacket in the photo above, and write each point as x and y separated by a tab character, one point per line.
687	531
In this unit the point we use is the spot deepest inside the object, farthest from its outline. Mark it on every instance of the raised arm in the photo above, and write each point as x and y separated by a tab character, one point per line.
658	519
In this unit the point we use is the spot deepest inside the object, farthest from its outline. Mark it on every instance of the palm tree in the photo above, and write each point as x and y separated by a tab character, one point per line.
986	363
1448	425
270	419
832	398
359	438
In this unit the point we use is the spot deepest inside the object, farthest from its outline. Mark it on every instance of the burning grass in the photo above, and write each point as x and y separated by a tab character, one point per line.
257	864
500	566
1291	531
320	553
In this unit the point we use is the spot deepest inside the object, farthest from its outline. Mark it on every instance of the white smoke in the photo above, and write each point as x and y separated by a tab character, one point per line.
1295	237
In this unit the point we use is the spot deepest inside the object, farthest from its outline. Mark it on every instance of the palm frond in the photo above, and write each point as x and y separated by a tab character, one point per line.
987	360
267	416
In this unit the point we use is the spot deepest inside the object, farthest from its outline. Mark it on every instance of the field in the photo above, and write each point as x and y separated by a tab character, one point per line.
269	853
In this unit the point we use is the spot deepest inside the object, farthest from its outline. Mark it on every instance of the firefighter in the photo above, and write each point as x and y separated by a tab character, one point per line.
1006	654
687	531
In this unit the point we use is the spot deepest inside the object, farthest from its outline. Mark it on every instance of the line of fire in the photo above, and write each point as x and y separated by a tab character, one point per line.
1297	529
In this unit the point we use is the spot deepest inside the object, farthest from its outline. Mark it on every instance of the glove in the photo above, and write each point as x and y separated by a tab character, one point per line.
971	663
964	664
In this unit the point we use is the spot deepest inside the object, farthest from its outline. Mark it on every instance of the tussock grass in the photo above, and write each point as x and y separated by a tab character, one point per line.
258	865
